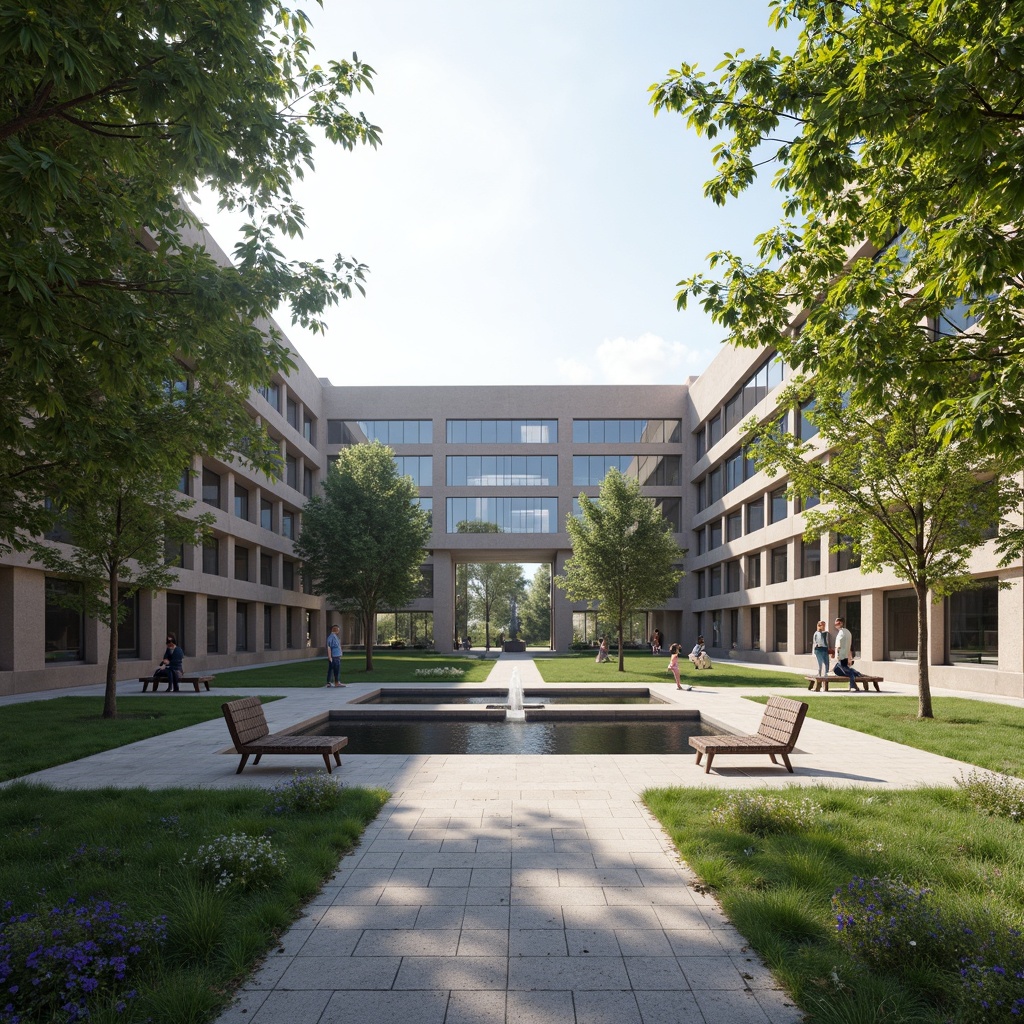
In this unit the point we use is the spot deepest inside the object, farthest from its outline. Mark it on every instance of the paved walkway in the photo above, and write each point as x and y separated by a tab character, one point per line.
527	889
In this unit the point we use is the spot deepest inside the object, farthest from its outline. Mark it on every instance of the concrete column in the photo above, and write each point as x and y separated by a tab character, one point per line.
444	601
561	608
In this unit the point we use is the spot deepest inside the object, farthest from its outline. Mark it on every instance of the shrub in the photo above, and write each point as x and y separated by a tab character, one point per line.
58	966
994	795
993	976
764	815
889	924
306	794
238	861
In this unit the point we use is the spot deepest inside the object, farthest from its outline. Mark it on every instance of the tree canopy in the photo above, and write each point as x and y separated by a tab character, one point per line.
892	490
894	131
110	115
623	555
364	539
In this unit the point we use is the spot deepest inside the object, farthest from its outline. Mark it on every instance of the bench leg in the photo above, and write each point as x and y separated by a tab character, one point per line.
337	759
789	767
207	686
707	766
196	685
878	689
772	756
327	761
825	684
256	760
698	758
245	757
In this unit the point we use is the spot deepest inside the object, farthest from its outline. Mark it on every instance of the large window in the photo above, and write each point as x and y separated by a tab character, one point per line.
266	514
781	616
901	625
734	471
649	470
849	612
241	502
778	505
211	556
413	629
419	467
267	570
972	618
268	627
810	558
671	509
241	562
734	526
288	525
755	629
64	630
241	626
510	515
626	431
211	487
715	534
386	431
846	557
502	470
291	471
732	577
755	515
779	571
502	431
806	427
212	625
716	580
754	570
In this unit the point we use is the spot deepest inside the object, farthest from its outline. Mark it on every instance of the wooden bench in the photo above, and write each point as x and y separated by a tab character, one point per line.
814	683
776	734
251	735
194	680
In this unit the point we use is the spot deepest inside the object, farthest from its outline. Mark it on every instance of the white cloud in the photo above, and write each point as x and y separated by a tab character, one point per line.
648	359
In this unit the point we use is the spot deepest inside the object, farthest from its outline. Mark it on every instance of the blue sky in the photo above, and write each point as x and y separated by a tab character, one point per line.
527	217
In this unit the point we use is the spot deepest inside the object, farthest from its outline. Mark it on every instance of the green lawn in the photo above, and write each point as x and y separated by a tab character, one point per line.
388	667
978	732
139	849
643	667
43	733
777	890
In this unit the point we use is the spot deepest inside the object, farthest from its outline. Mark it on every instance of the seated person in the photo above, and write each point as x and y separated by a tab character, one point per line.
699	656
172	665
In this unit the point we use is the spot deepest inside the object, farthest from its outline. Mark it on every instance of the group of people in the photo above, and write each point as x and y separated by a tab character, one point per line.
841	649
699	656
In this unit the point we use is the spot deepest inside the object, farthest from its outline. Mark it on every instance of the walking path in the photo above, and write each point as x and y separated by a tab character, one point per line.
527	889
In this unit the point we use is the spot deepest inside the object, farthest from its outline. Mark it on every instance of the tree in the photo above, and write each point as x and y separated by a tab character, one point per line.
363	541
492	585
887	483
120	528
109	115
894	129
535	611
623	554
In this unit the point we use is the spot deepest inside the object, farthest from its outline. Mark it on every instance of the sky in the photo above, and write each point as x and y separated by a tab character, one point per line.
527	217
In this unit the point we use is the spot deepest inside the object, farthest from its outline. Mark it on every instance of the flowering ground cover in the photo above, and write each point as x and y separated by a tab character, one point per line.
138	905
893	906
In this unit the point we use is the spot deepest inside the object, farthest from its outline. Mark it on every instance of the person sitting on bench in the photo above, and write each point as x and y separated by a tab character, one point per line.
172	665
699	656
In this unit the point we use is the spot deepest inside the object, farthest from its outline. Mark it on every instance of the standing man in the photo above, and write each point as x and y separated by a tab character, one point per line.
334	657
844	641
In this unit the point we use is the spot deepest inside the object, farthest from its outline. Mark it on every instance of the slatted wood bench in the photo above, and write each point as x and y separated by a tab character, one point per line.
814	683
775	736
196	681
251	735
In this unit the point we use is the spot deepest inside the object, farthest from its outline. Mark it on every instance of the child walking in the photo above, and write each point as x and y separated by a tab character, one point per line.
673	663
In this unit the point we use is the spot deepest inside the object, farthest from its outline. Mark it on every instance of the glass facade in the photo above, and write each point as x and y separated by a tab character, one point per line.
502	470
502	431
510	515
419	467
972	618
64	630
386	431
626	431
648	470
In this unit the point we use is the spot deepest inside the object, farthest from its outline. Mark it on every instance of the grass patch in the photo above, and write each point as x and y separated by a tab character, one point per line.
388	667
975	731
777	888
43	733
138	848
643	667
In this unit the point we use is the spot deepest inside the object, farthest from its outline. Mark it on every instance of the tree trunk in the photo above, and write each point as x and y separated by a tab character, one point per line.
110	694
622	654
924	693
368	623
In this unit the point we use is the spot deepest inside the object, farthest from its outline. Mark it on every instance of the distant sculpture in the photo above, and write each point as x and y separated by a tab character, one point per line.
513	625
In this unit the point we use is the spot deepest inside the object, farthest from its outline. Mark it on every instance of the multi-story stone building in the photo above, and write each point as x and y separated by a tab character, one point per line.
518	457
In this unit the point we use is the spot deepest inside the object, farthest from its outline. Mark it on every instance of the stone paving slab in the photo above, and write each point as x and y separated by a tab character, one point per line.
513	889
